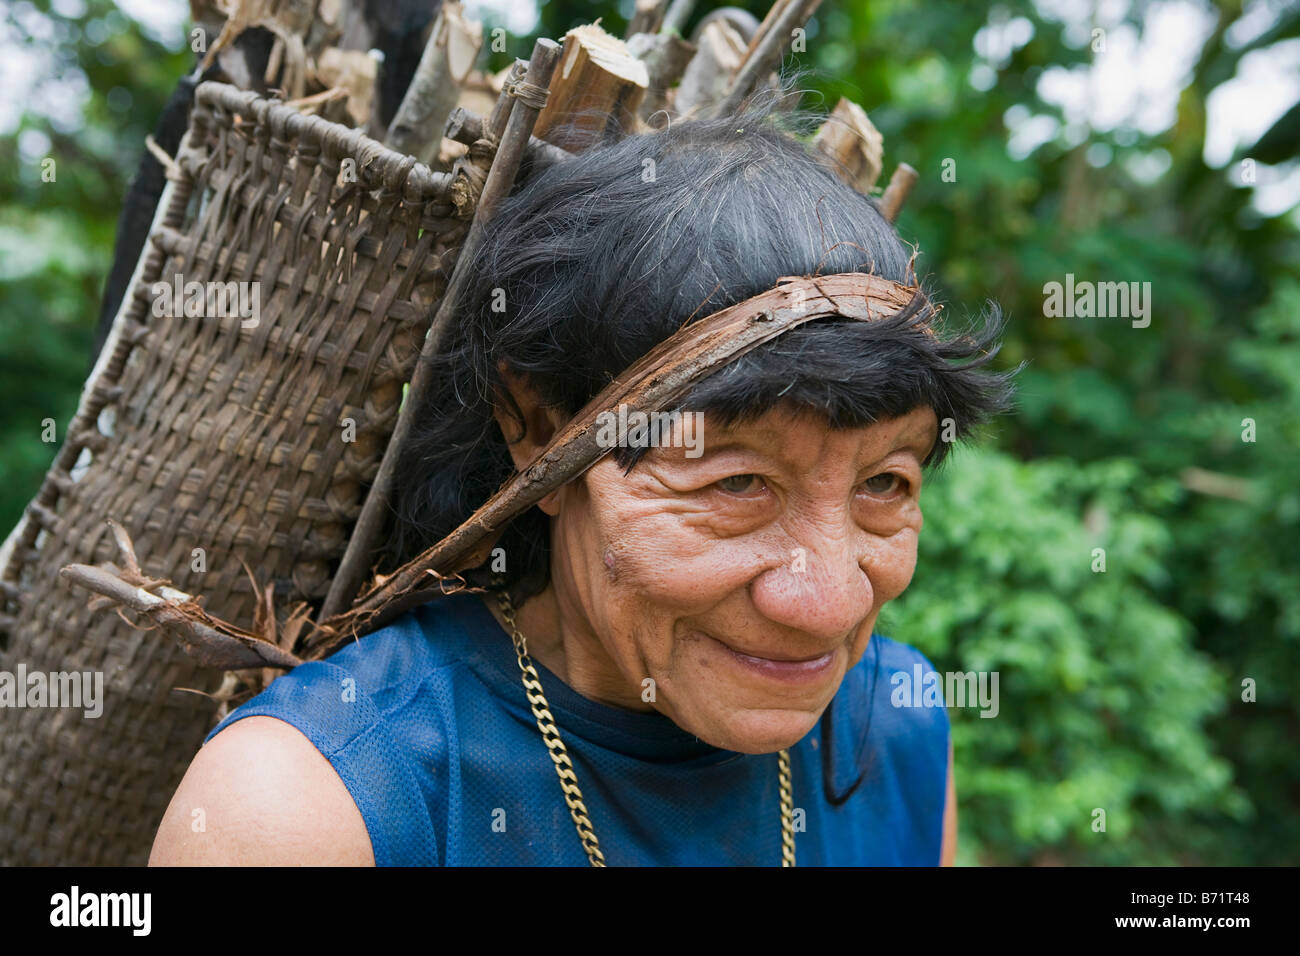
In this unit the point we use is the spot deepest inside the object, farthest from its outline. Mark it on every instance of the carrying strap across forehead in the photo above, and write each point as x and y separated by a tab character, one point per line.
658	381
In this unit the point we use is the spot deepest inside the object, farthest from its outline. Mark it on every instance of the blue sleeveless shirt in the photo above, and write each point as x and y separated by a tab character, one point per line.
427	724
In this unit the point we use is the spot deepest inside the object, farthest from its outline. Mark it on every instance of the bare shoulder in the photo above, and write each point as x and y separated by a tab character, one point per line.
260	794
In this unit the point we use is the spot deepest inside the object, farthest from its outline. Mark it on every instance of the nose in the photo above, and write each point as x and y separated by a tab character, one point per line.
821	589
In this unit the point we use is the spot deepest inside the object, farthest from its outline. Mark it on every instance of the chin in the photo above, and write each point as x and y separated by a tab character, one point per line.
761	731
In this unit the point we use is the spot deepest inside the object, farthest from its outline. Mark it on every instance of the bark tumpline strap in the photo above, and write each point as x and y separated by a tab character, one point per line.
659	381
656	382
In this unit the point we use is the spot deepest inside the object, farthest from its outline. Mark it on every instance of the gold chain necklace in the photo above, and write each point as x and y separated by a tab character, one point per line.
564	766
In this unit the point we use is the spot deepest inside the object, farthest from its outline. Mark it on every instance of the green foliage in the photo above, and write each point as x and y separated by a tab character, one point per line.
1103	698
1119	690
50	280
56	236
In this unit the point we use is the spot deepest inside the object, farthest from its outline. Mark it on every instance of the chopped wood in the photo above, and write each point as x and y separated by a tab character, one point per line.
444	67
352	71
774	12
290	21
479	93
765	49
900	185
852	145
647	17
742	21
707	77
666	56
355	32
597	88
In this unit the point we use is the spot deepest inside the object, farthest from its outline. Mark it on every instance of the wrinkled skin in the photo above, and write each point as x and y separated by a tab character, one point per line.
781	543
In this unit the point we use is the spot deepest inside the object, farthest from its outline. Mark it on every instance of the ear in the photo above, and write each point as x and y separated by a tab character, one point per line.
540	423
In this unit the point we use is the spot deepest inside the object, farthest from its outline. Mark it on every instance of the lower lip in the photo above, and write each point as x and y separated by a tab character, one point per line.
790	672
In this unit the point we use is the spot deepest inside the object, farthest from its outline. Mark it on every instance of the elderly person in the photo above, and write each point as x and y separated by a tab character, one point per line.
672	659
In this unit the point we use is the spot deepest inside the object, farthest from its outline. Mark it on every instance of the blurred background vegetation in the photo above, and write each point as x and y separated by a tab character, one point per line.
1120	690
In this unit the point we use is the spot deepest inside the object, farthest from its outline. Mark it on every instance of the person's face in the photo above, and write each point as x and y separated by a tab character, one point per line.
747	581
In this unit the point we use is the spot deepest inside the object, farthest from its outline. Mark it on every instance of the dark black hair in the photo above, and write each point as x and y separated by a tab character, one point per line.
594	261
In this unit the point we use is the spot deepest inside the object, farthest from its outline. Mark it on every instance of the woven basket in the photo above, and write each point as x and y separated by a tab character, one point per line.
214	446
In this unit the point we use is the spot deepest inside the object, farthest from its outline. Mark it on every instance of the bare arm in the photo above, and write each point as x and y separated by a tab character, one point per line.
259	794
948	851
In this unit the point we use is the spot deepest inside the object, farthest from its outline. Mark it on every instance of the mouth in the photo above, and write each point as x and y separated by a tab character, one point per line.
781	668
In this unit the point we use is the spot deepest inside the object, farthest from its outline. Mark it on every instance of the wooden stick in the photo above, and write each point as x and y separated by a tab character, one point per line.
646	17
445	65
679	11
496	121
666	57
900	184
777	8
852	145
211	642
465	126
707	76
356	559
514	141
317	99
208	645
742	21
354	71
765	52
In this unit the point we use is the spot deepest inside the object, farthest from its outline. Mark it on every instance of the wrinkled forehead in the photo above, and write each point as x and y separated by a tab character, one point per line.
792	436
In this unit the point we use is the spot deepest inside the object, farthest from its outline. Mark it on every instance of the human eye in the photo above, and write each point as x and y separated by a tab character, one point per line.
887	484
746	484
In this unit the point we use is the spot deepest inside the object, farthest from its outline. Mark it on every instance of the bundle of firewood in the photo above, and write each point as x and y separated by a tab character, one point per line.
321	56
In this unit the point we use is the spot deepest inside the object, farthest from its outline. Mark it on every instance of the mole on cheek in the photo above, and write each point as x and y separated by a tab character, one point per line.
610	568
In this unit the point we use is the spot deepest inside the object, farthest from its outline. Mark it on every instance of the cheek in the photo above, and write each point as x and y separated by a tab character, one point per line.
636	567
642	546
890	558
890	564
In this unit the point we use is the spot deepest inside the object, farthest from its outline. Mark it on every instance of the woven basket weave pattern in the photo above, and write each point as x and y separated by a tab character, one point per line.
201	433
